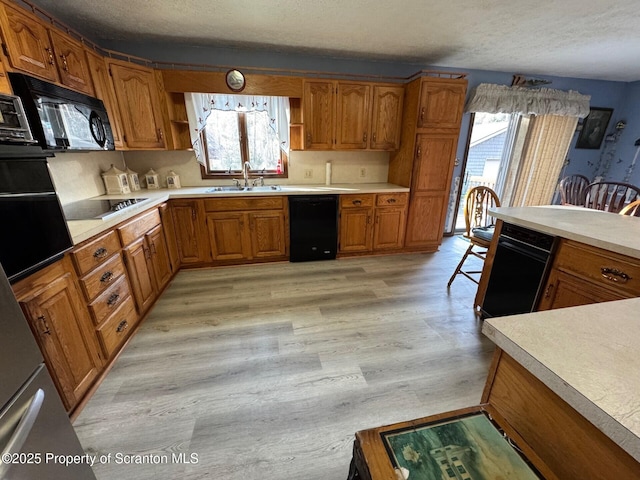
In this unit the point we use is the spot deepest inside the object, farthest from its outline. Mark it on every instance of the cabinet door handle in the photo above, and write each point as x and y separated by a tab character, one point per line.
193	213
50	53
113	299
106	277
153	248
373	137
422	115
548	290
615	275
47	330
368	219
122	326
65	65
418	152
160	135
100	253
364	137
147	252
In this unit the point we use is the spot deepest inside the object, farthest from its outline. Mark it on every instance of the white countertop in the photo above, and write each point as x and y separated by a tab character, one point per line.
617	233
588	356
82	230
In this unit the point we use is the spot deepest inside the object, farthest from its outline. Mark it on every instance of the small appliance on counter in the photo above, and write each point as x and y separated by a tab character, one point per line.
61	119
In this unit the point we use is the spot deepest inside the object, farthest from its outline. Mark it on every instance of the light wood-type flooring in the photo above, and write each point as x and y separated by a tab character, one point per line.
265	372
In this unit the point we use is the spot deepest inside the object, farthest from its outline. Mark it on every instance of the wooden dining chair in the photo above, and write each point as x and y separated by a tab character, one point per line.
610	196
479	227
633	209
573	190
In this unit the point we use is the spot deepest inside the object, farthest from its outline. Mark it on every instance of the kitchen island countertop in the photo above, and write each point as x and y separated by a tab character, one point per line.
588	356
82	230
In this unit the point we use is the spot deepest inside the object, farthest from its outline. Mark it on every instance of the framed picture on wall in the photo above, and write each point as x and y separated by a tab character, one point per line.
594	128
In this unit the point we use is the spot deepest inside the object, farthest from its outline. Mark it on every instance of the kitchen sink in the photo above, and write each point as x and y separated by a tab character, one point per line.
233	188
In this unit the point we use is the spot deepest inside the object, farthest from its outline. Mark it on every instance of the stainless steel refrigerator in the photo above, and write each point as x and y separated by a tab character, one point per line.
37	440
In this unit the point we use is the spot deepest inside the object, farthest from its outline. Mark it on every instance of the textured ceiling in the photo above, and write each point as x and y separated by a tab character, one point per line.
571	38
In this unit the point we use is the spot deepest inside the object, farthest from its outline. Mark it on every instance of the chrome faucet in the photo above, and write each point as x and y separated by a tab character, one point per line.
245	173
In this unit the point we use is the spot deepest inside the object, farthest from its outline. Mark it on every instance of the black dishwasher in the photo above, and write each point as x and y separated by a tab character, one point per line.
313	228
519	268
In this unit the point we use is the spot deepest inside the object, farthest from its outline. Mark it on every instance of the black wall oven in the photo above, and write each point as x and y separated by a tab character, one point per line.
33	229
520	266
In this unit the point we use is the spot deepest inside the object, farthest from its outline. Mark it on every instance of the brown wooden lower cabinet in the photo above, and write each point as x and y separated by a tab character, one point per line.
553	437
582	274
189	224
146	257
372	223
63	328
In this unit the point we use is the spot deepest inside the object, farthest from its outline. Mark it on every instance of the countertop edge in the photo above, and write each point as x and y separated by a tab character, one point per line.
82	230
610	426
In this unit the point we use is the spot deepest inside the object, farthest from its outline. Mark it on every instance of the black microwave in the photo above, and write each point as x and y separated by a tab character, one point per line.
61	119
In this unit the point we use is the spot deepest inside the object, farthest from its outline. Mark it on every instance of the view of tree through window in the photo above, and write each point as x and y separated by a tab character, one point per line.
235	137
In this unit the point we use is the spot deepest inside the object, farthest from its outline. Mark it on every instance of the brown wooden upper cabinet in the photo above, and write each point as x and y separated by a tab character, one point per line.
440	105
139	104
104	91
340	115
37	50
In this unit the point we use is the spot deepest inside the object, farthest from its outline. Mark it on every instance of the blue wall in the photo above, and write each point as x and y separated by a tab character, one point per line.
622	97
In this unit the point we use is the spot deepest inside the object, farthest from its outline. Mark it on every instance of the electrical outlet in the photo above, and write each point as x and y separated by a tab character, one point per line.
308	173
363	172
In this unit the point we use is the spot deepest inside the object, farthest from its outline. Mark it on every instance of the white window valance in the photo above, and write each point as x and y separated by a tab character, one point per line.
200	105
491	98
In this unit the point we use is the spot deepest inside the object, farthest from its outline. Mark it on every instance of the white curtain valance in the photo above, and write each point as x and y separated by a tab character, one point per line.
200	105
491	98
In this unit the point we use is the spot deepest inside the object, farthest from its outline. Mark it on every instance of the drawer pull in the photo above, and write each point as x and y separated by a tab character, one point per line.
122	326
101	253
106	277
615	275
391	200
357	202
113	299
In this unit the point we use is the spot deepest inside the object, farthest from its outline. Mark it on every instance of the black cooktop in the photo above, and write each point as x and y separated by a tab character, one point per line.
92	209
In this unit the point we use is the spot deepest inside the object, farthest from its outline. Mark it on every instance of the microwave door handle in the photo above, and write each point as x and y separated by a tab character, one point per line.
23	429
18	195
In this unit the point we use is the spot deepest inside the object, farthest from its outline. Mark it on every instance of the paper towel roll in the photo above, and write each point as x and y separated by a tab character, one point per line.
328	174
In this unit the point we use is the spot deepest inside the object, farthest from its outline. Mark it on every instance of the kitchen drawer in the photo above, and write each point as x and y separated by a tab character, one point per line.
102	277
118	327
391	199
137	227
110	300
95	252
230	204
357	201
604	268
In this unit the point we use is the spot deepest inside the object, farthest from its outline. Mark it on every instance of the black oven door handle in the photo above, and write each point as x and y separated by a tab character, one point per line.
24	195
524	249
